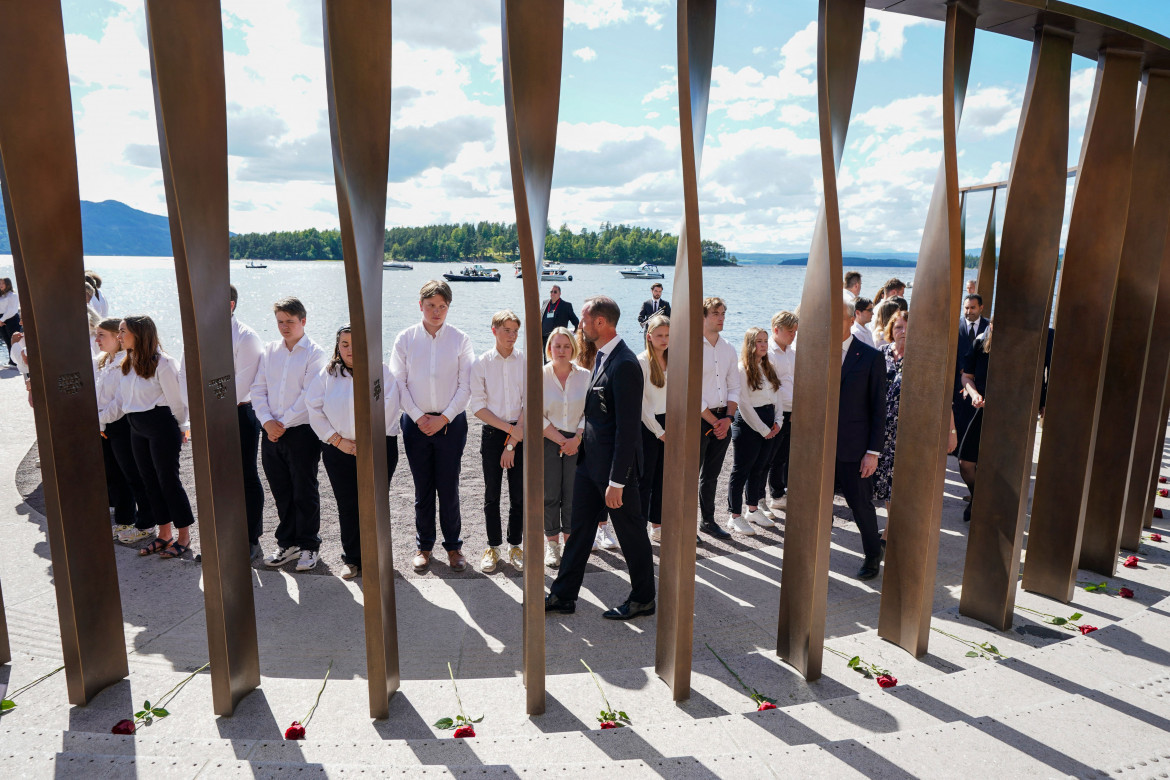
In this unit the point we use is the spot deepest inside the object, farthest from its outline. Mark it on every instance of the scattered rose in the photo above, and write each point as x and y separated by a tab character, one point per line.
1163	480
1125	593
608	724
1155	537
461	723
295	731
1158	512
887	680
761	701
464	731
1131	562
124	726
766	706
1087	629
1164	492
609	718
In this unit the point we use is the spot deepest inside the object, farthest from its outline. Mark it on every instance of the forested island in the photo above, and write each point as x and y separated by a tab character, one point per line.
614	244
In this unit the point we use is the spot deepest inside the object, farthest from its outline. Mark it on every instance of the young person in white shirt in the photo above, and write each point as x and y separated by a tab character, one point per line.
290	451
862	314
152	399
565	387
329	400
132	523
753	434
720	400
497	398
99	302
431	362
246	349
653	361
9	315
782	353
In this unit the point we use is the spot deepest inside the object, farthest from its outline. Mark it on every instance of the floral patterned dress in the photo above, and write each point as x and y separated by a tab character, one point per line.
883	478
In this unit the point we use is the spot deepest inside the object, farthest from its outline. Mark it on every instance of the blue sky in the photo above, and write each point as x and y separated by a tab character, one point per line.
617	155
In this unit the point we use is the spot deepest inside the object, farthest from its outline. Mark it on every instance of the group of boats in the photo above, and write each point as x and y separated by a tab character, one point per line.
551	272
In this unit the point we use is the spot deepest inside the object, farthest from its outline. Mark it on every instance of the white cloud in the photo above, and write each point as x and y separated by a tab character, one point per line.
885	34
585	54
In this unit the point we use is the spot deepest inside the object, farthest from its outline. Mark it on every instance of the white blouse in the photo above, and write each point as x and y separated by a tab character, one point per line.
9	305
330	403
138	394
564	407
433	372
106	380
653	398
750	399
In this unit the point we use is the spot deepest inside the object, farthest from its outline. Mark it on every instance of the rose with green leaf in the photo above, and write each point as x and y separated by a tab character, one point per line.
10	703
1105	587
463	725
978	649
866	669
762	702
609	717
151	712
1070	623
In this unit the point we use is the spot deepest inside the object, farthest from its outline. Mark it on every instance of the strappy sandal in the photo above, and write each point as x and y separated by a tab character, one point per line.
176	550
157	546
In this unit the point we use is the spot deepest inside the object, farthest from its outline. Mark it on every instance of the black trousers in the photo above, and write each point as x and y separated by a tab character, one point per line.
118	491
778	471
858	494
9	328
491	448
588	510
650	486
156	441
434	464
253	491
342	470
712	451
118	435
290	463
751	457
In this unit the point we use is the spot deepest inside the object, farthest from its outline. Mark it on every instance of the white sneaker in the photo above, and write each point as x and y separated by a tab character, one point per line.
608	540
552	554
779	503
308	560
133	535
490	560
740	525
597	540
516	557
118	529
282	556
760	518
350	571
656	534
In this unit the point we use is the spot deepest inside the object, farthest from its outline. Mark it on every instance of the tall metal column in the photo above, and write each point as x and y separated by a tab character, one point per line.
1091	257
533	39
929	376
1133	318
1027	268
357	76
680	482
38	177
985	281
804	581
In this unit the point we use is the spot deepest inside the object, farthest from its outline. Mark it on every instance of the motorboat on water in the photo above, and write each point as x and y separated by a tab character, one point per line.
644	271
394	265
473	273
254	264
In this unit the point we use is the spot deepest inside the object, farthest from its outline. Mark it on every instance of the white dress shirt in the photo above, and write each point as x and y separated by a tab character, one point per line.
752	399
100	304
603	353
653	398
107	379
278	391
784	362
433	372
246	350
329	401
564	407
9	305
138	394
862	333
19	355
497	384
720	375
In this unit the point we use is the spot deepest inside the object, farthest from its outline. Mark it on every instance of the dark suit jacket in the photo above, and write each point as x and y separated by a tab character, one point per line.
611	448
561	317
861	420
965	343
648	310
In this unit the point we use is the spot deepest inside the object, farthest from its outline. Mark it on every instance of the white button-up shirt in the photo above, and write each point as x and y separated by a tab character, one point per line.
433	372
845	347
720	375
862	333
564	407
497	384
165	388
100	303
329	400
9	305
603	353
106	380
752	399
784	361
653	398
246	350
278	391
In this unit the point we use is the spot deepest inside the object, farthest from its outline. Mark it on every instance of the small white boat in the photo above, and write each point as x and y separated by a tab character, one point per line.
254	264
555	272
473	273
644	271
397	266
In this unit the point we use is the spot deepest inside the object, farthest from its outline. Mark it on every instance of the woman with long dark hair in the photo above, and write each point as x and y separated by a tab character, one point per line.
155	407
133	521
653	361
9	315
329	400
753	433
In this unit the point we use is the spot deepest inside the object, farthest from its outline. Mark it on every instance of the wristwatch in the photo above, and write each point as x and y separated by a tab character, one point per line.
510	447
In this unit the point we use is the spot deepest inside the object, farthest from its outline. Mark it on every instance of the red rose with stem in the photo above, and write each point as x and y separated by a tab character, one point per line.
1131	562
1125	593
462	724
124	726
887	680
464	731
297	729
762	702
9	703
867	670
1068	622
152	712
1086	628
609	717
1155	537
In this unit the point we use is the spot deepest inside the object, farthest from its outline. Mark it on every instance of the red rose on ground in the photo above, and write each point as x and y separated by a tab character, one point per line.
1158	512
464	731
295	731
1087	629
887	680
1163	480
1131	562
1155	537
608	724
1126	593
1164	492
765	705
123	726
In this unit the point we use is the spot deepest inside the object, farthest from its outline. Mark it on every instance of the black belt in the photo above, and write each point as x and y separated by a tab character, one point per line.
719	411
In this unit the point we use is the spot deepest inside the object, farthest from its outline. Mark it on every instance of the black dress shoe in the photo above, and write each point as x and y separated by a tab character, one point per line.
631	609
870	568
554	604
698	540
713	529
967	513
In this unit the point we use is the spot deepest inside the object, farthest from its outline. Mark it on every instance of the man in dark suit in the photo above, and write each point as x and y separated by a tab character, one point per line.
971	326
656	305
608	469
556	313
861	432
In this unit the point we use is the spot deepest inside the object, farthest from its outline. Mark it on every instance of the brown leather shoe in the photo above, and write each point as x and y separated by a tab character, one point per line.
457	561
422	559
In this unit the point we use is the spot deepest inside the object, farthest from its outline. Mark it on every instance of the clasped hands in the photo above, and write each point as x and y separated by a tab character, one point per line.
430	424
348	446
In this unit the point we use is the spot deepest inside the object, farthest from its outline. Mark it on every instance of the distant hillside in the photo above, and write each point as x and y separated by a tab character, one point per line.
853	260
113	228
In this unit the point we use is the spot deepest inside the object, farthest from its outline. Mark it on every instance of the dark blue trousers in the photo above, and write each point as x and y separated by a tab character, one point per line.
434	464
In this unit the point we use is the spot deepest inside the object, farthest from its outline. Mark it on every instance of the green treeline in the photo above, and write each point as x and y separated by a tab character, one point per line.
615	244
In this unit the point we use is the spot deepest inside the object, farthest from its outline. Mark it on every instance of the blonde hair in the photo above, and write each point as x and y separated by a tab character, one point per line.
657	370
785	319
109	325
757	369
561	331
507	315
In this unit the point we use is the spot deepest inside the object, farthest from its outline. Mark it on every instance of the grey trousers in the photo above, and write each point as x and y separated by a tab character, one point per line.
559	473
